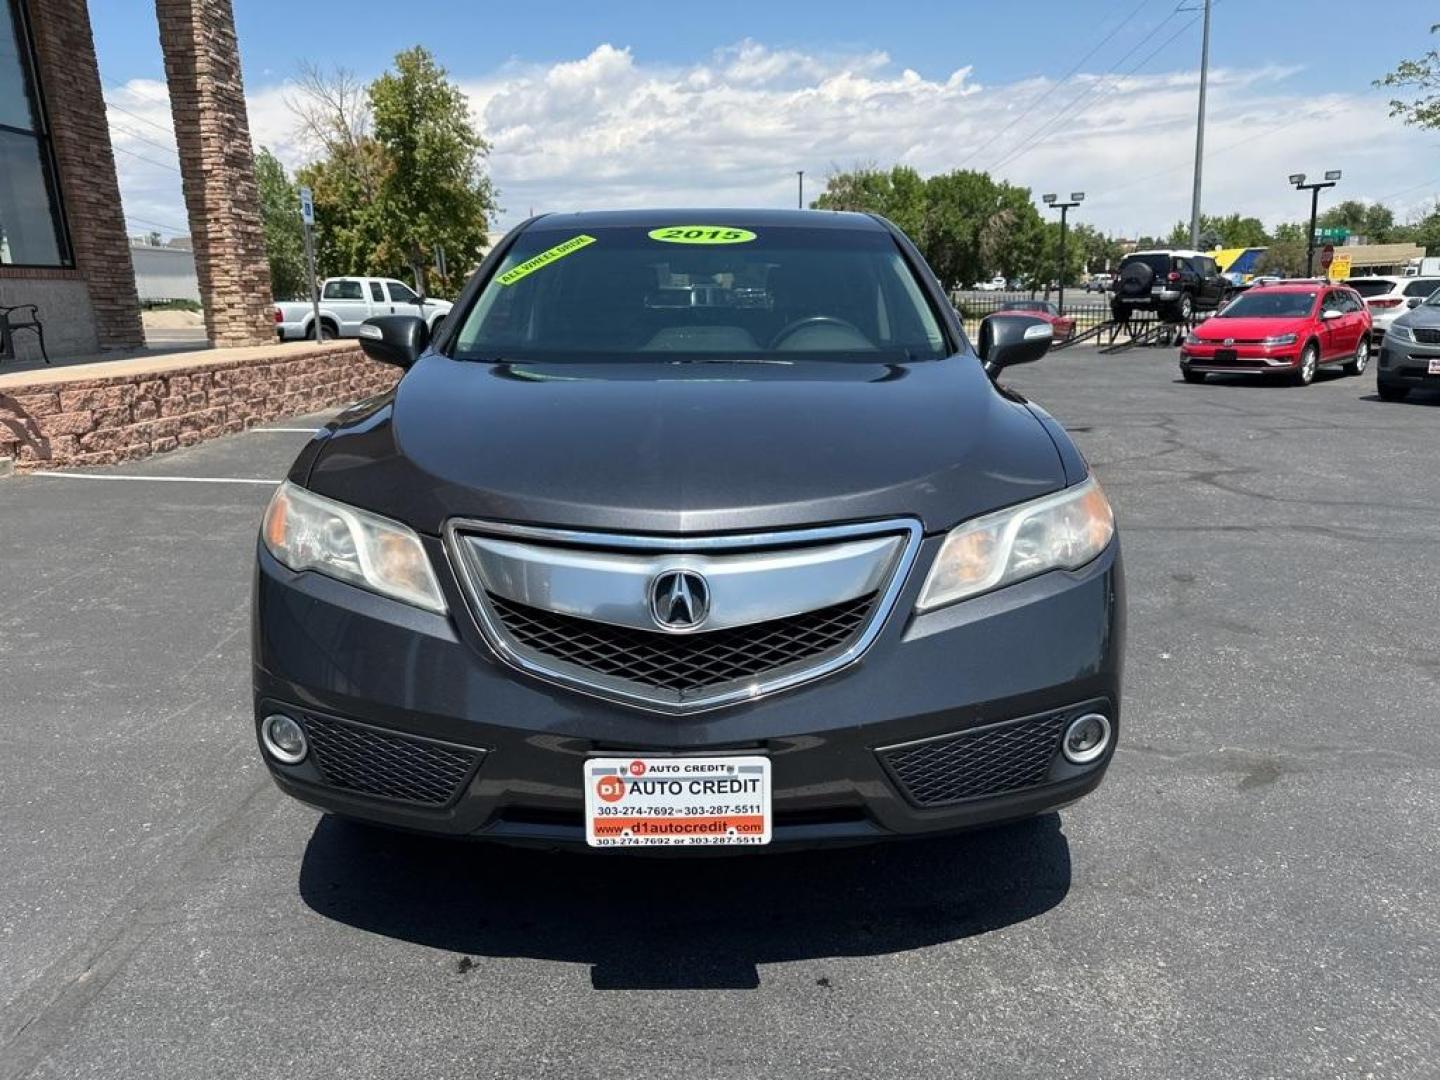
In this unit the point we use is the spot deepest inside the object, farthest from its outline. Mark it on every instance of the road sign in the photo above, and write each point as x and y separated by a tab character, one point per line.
1327	256
307	206
1335	234
1340	268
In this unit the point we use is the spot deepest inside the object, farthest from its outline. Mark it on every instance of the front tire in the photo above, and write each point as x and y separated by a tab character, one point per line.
1362	358
1192	376
1309	364
1391	392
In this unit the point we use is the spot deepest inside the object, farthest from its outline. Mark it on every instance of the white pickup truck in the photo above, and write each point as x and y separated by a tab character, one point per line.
346	302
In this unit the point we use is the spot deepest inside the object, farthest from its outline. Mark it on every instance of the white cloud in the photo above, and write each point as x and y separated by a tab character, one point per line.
609	129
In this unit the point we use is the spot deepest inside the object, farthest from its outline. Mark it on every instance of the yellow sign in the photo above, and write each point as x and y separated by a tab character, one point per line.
701	234
545	258
1340	267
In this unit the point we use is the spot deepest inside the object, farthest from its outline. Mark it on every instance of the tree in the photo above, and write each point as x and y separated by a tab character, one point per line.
898	195
1374	221
1227	231
284	232
433	190
1422	75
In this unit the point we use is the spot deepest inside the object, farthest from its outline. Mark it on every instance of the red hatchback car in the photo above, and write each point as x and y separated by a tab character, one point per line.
1061	326
1288	329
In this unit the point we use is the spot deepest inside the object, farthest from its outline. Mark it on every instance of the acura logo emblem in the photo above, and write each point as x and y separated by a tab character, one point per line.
679	599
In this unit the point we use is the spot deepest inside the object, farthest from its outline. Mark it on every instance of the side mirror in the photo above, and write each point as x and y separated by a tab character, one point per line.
1007	340
1414	302
394	339
1331	313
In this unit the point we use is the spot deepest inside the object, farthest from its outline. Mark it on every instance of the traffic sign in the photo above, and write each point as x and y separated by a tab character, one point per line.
307	206
1334	234
1327	256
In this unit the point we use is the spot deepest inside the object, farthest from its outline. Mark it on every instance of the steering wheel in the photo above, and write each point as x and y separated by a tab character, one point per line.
812	320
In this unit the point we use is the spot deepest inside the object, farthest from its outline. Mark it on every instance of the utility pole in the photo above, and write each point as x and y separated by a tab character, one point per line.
1076	198
1200	131
1298	179
800	176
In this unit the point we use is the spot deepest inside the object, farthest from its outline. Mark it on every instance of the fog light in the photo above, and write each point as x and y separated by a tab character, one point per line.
1086	738
283	738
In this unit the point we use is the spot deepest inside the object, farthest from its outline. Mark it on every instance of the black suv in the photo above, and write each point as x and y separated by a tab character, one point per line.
690	534
1174	284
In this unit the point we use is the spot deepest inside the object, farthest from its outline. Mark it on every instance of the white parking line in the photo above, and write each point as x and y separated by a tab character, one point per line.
156	479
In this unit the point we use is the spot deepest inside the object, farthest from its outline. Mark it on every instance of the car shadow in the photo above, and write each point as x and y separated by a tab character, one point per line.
1424	396
682	923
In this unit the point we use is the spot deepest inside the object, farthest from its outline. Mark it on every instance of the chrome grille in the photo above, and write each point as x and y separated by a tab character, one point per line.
1426	335
970	764
685	663
775	609
385	764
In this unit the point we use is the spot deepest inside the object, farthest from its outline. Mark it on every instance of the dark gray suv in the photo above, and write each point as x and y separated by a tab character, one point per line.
692	528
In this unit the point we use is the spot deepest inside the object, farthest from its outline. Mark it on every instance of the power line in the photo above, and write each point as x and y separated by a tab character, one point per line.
142	157
137	116
1032	140
1054	86
151	142
157	224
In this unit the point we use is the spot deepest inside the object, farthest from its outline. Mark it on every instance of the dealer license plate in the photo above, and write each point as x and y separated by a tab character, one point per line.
677	801
1435	366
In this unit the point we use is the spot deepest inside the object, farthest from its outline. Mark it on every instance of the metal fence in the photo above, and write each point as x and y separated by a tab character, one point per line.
1089	310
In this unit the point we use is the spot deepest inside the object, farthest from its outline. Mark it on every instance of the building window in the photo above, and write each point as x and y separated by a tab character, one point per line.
32	227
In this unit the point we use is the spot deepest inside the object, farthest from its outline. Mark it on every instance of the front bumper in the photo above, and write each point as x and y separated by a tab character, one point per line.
1240	359
1407	363
368	671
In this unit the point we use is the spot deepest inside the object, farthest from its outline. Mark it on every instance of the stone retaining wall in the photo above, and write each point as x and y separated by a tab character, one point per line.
150	407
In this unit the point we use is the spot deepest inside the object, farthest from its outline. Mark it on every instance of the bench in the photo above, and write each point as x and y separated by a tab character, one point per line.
10	322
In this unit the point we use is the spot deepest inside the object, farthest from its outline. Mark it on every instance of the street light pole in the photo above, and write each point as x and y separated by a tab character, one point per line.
800	177
1200	131
1076	198
1298	179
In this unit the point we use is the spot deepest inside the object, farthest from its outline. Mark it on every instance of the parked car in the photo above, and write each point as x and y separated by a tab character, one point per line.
1099	282
995	284
1289	329
1387	297
1173	284
1062	326
599	571
346	302
1410	351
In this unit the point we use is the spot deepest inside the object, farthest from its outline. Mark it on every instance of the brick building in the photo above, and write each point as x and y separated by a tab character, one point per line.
63	242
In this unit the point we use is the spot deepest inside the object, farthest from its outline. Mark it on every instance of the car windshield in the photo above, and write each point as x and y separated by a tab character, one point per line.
1028	305
1421	287
1286	304
1371	286
697	292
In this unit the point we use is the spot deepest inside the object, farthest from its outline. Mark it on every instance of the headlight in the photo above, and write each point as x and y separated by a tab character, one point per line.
1193	338
1400	331
1059	532
1279	339
306	531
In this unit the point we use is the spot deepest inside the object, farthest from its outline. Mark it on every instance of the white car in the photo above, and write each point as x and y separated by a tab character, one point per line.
346	302
1388	297
995	284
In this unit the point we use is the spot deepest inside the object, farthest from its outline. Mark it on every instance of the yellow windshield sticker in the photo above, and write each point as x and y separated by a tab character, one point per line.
545	258
702	234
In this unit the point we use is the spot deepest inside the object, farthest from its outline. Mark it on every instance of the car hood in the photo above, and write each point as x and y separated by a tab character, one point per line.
1420	316
653	446
1241	329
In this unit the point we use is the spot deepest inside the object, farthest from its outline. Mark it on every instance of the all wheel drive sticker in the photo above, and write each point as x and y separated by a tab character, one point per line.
658	802
671	234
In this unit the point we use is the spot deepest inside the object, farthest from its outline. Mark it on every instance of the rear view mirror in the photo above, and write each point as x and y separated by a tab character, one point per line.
1007	340
394	339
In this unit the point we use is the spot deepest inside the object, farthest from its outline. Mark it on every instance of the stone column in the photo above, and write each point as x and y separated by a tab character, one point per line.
70	83
217	166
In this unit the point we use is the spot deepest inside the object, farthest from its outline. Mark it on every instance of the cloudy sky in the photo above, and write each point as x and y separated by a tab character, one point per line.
660	104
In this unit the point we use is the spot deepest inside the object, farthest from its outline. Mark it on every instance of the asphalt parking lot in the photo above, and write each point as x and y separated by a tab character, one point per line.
1254	892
